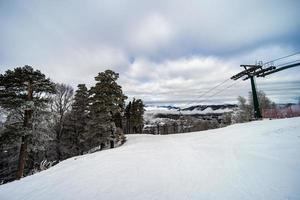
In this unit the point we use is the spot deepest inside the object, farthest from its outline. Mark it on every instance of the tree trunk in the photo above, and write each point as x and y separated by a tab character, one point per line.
22	157
58	136
27	124
128	126
58	147
23	149
112	144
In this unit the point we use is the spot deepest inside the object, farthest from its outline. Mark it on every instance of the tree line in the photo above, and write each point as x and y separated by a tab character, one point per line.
46	122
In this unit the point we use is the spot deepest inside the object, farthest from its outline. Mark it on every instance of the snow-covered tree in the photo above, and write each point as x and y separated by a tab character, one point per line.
246	109
23	90
244	114
263	100
61	103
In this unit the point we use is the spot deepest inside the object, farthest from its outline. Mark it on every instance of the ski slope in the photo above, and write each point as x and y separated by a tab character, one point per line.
256	160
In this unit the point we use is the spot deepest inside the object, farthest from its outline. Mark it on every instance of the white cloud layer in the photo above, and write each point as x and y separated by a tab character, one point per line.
168	51
150	34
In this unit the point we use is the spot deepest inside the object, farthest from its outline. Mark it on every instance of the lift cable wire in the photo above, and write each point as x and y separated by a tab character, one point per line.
271	61
207	92
235	82
203	94
280	58
220	91
287	63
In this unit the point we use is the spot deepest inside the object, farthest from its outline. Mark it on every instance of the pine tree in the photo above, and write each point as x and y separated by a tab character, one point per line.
24	89
128	116
134	116
106	103
139	113
76	121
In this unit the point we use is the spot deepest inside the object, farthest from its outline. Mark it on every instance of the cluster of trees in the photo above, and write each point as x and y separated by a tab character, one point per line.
183	124
246	109
134	113
47	122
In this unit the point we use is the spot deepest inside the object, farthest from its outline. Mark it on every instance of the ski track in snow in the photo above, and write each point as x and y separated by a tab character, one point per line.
256	160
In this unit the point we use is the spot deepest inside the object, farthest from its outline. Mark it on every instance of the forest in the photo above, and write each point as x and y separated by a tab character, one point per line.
43	123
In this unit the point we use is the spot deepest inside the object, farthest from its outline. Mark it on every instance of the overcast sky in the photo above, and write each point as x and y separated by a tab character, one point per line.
165	51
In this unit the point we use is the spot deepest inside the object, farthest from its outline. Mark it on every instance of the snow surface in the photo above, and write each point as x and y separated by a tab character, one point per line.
257	160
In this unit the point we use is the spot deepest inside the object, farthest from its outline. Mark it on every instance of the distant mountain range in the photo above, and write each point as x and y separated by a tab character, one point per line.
212	107
157	111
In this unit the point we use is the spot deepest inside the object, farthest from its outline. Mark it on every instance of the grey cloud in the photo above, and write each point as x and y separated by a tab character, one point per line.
179	48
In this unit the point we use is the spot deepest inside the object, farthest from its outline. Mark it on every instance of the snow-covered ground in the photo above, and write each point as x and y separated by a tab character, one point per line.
257	160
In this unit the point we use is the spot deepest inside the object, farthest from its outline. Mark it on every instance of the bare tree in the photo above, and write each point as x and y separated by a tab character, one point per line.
264	101
61	104
245	113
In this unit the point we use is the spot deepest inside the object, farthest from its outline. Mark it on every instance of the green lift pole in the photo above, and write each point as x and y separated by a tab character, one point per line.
257	113
257	70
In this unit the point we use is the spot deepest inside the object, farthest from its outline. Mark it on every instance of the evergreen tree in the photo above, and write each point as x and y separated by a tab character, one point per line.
24	89
138	113
128	116
134	113
80	112
106	102
76	121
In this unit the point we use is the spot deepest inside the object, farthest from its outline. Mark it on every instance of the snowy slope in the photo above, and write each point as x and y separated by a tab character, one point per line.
257	160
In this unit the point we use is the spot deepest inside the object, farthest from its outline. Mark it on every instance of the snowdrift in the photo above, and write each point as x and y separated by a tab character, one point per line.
257	160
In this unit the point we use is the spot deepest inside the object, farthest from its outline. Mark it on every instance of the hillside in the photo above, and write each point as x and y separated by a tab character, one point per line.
257	160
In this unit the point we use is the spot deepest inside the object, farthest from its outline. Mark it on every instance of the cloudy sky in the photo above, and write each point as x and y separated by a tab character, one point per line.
167	52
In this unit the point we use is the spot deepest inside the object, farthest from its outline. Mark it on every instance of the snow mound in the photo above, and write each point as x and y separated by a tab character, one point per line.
257	160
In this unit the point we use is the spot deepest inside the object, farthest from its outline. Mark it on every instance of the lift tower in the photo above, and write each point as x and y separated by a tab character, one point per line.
252	71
